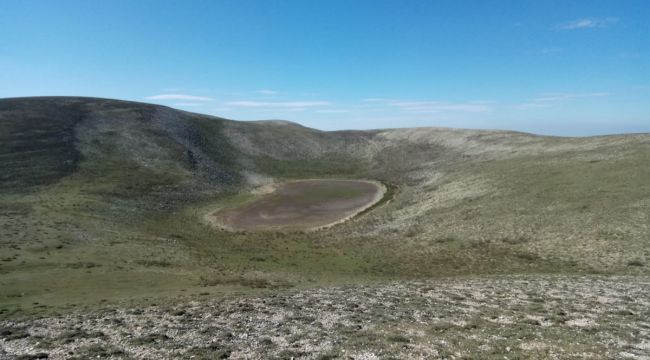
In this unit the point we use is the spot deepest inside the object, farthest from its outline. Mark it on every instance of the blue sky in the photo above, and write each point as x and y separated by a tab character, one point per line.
550	67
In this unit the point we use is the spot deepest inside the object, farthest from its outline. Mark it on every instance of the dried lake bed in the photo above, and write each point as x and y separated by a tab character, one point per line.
302	205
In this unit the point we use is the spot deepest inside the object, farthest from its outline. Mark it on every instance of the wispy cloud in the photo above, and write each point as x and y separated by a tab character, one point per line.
587	23
546	97
332	111
186	104
178	97
374	100
432	107
278	104
435	106
532	105
546	100
266	92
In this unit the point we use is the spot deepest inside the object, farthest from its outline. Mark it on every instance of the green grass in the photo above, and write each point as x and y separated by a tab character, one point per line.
391	191
326	167
127	221
108	254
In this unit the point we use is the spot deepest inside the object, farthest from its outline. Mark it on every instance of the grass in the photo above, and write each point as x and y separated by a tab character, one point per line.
165	254
126	222
168	253
391	190
486	245
327	167
37	155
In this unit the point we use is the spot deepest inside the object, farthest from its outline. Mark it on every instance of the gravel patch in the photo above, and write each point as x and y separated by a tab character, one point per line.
496	317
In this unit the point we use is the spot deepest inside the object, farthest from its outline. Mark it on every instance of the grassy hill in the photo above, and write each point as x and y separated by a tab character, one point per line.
104	199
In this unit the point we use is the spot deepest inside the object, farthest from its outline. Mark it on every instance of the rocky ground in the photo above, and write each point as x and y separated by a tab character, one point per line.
459	318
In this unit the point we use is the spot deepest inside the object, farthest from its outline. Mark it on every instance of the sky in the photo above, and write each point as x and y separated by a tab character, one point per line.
566	67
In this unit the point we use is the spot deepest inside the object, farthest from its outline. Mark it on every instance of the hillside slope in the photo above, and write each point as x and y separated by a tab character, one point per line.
102	198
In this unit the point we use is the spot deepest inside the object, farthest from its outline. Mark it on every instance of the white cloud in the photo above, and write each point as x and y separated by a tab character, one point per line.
545	97
437	106
587	23
277	104
532	105
423	111
546	100
464	107
429	107
178	97
266	92
486	102
186	104
374	100
333	111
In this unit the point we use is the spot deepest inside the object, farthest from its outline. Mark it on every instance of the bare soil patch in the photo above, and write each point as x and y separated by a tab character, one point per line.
302	205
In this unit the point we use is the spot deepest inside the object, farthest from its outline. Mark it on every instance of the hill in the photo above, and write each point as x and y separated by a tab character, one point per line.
105	199
487	244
